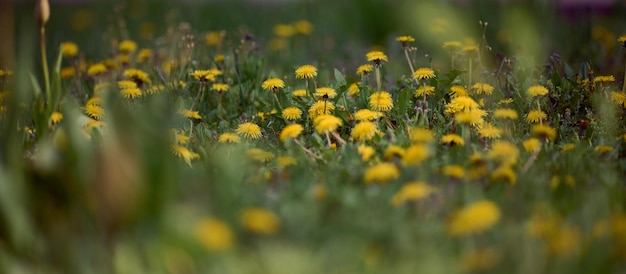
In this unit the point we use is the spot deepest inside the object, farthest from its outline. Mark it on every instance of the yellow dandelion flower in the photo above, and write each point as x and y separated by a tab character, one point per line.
482	88
452	45
286	161
260	221
457	91
381	101
56	117
421	135
461	103
505	113
452	140
214	38
228	137
131	93
472	117
622	39
568	147
428	90
96	69
320	108
292	113
259	155
504	152
366	152
453	171
376	56
220	87
543	132
603	148
144	55
299	93
326	123
404	39
67	72
532	145
284	30
219	58
137	75
505	101
412	192
303	27
203	75
306	72
537	90
423	74
353	89
325	92
393	151
249	130
94	111
319	192
96	101
291	131
127	46
364	131
214	234
415	154
363	70
155	89
69	49
181	138
273	84
474	218
184	153
381	173
604	79
504	173
190	114
535	116
619	98
367	115
490	132
126	84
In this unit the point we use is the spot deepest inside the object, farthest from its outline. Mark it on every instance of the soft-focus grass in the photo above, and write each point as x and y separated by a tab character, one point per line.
121	202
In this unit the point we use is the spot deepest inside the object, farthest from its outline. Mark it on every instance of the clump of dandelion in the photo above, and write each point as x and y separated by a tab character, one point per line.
381	101
504	173
452	140
415	154
291	131
353	89
214	234
421	135
544	132
453	171
377	57
505	114
536	116
366	152
458	91
364	131
412	192
474	218
321	107
260	221
325	93
483	88
363	70
425	90
228	137
381	173
249	130
306	72
291	113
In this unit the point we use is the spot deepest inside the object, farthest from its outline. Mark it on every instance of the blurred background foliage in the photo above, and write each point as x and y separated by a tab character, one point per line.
122	203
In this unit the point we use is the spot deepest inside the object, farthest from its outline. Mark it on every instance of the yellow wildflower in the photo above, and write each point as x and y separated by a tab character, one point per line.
364	131
381	101
423	74
382	173
214	234
412	192
474	218
228	137
260	221
291	131
306	72
249	130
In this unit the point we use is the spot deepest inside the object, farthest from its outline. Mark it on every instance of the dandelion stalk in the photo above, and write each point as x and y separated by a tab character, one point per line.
338	138
42	14
308	151
378	78
539	108
408	59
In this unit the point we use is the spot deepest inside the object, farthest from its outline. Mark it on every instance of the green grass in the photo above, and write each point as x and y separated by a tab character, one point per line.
122	193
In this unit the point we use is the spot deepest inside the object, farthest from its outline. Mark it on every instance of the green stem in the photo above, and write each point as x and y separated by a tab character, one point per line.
44	60
378	78
624	84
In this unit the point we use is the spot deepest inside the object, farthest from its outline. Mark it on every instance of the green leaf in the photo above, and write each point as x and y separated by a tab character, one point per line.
341	80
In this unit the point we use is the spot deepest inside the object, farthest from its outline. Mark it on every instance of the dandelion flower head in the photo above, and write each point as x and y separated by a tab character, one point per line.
249	130
306	72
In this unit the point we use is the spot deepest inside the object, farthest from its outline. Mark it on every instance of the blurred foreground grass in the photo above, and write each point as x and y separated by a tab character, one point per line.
195	139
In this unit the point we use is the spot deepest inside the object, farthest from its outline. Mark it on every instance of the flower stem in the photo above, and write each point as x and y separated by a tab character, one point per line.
539	108
378	78
44	60
195	100
408	60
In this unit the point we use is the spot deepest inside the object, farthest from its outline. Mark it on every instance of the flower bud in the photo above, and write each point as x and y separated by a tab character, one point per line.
42	12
